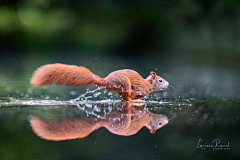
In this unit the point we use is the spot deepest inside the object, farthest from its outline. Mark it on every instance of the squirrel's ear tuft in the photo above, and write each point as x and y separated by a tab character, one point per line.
153	74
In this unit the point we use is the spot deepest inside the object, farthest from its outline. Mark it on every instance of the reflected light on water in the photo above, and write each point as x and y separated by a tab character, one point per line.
127	121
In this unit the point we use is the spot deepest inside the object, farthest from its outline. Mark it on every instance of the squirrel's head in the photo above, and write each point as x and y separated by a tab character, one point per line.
157	82
157	121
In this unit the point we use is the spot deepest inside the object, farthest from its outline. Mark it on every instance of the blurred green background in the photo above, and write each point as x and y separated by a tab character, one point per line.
195	45
192	44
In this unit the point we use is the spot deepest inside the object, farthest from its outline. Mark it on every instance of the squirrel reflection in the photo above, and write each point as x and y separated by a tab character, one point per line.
128	121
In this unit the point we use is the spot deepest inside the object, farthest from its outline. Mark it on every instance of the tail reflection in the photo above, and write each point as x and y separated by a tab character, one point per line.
128	121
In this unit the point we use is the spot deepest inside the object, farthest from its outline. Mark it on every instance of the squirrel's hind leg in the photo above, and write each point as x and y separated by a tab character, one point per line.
120	84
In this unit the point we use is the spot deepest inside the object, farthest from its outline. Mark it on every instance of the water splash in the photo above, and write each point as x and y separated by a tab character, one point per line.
90	98
93	95
189	109
84	96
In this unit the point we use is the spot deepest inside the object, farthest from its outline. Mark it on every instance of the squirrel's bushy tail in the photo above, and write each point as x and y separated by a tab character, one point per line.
65	129
64	74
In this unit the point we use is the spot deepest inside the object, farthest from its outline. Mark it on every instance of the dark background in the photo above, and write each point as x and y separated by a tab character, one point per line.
192	44
195	45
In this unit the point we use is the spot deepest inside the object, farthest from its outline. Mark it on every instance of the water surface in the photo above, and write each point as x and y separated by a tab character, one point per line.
192	123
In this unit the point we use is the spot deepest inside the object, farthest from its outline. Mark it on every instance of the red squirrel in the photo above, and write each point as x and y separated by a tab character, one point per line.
128	83
125	122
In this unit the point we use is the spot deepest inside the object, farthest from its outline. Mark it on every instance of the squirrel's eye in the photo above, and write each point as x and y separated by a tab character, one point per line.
160	80
160	124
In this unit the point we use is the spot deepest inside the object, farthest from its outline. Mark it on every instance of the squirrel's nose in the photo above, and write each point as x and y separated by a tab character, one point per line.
166	121
166	84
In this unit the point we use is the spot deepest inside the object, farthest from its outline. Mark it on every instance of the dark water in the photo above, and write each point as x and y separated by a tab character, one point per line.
203	108
192	123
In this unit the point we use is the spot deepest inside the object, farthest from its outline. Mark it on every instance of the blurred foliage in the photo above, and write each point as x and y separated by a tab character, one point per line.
193	44
119	26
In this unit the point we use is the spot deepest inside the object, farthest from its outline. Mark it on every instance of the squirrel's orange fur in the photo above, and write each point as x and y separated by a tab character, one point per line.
128	83
125	122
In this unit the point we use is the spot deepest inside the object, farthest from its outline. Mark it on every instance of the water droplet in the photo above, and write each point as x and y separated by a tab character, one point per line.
73	93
